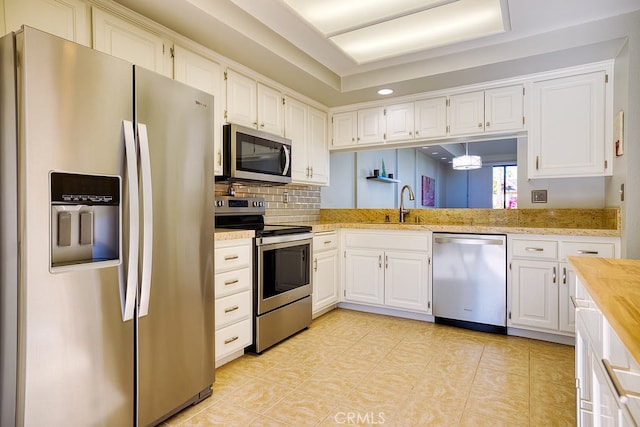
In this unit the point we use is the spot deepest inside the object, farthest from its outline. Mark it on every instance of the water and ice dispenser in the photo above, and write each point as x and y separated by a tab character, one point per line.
85	221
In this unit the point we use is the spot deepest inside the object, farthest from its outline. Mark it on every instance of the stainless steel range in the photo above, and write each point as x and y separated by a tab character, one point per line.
282	269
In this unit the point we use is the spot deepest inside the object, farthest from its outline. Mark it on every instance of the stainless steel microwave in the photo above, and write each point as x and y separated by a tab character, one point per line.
253	155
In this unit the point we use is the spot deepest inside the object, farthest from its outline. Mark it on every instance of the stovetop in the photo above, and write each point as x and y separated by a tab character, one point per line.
246	213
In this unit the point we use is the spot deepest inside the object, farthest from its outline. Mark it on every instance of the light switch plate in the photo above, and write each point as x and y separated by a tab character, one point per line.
538	196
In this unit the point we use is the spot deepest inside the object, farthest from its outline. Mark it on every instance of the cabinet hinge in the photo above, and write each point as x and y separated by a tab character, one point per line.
345	254
384	112
606	164
429	304
225	115
448	129
173	52
509	266
448	103
606	78
429	260
523	120
523	91
225	75
344	293
284	101
509	315
384	135
163	48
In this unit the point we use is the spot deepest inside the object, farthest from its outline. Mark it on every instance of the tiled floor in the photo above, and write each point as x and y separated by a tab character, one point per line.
352	368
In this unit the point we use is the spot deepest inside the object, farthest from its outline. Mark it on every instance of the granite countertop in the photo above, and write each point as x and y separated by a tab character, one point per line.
614	285
230	234
484	229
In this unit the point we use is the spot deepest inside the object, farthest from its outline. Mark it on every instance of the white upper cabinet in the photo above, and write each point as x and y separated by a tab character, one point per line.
252	104
399	121
492	110
64	18
431	118
371	125
567	132
206	75
466	113
127	41
345	129
307	129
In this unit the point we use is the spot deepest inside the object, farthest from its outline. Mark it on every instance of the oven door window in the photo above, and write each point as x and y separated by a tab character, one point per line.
260	155
285	269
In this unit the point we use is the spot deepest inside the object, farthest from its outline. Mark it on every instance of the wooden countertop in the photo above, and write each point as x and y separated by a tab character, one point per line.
614	285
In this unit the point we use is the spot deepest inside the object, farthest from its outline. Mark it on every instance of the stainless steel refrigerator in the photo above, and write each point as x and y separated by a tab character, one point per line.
106	222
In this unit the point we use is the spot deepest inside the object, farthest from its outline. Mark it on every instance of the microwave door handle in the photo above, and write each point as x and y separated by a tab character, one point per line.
287	159
129	279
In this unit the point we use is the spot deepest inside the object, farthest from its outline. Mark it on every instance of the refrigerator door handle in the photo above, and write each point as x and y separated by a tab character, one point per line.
147	220
129	284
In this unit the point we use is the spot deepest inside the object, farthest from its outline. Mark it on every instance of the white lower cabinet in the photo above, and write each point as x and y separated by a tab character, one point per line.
542	282
388	268
234	299
607	375
325	271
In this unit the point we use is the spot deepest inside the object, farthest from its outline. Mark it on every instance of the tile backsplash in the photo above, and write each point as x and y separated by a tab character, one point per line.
303	200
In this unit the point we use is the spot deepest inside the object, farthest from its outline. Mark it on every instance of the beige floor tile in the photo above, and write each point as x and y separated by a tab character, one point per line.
256	395
544	393
441	366
558	372
472	419
551	415
344	415
263	421
500	381
514	363
347	367
418	412
445	391
221	414
300	409
331	388
501	405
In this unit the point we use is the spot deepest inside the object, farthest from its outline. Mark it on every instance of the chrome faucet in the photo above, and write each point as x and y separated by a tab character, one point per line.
404	211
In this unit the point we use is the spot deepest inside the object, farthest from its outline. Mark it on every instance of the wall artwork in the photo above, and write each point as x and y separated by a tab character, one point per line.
428	191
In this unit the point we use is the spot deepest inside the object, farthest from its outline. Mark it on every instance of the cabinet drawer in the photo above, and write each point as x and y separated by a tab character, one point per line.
325	241
232	338
232	257
536	249
234	281
605	250
232	308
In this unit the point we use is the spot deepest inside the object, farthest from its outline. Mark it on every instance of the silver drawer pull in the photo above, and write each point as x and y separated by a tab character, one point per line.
586	252
620	390
534	249
230	282
230	340
230	257
579	303
230	309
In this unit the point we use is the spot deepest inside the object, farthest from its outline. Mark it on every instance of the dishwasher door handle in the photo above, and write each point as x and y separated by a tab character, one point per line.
468	241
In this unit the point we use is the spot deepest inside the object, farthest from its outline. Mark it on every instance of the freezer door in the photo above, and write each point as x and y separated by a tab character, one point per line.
176	332
75	352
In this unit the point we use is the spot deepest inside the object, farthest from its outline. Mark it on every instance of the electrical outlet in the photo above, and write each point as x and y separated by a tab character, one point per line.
285	197
538	196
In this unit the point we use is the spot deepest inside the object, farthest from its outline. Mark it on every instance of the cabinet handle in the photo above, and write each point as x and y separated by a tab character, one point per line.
352	139
220	157
534	249
230	309
230	340
230	257
315	264
386	261
311	171
262	125
620	390
410	133
564	275
308	171
537	162
554	275
579	303
379	261
487	124
586	252
230	282
326	242
417	132
480	124
255	124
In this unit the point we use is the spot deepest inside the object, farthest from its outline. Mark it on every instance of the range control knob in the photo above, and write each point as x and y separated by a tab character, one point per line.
219	203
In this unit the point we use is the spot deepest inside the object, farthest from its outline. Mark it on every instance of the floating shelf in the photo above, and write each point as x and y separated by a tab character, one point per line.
382	179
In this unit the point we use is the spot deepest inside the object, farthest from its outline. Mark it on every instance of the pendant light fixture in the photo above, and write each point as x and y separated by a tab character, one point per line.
467	162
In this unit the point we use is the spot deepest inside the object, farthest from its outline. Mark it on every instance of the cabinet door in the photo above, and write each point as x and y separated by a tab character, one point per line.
534	296
399	122
364	279
407	280
466	113
296	117
63	18
206	75
317	146
504	109
567	127
325	280
566	290
371	125
270	110
241	100
345	129
431	118
129	42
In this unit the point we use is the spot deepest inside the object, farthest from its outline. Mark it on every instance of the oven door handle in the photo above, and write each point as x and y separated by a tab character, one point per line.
298	237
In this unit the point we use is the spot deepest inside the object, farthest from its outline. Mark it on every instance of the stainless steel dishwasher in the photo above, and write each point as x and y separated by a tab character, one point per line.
470	281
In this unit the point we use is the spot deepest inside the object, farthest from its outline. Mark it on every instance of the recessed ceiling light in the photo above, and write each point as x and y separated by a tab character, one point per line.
385	91
443	158
434	153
